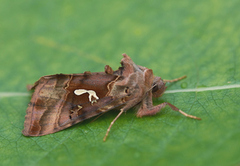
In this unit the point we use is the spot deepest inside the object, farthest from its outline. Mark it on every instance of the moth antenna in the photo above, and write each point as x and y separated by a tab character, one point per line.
174	80
151	88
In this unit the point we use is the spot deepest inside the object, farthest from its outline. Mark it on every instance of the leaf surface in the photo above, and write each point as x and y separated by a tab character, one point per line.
199	39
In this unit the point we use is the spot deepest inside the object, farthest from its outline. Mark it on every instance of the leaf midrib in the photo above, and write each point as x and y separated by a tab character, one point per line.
213	88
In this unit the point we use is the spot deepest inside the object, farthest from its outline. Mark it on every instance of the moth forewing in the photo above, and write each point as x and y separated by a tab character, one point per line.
54	105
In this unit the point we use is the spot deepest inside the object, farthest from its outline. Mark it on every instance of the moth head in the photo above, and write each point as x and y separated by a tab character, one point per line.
158	87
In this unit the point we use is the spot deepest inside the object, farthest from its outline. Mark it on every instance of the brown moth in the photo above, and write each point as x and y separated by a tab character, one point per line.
62	100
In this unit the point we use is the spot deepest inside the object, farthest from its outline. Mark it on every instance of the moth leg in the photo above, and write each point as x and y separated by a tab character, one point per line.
109	128
174	80
125	108
155	109
147	109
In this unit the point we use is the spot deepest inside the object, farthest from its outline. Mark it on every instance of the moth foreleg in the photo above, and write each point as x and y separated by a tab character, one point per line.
144	111
109	128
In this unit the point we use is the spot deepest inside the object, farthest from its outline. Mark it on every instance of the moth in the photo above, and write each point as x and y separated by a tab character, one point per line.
62	100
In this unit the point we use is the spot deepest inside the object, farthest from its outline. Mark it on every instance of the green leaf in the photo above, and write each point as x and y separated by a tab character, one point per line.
199	39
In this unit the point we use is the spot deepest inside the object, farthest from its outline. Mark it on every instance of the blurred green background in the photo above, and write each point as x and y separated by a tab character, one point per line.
199	39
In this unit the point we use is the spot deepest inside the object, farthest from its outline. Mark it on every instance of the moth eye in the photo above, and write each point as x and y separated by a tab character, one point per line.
155	87
126	90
